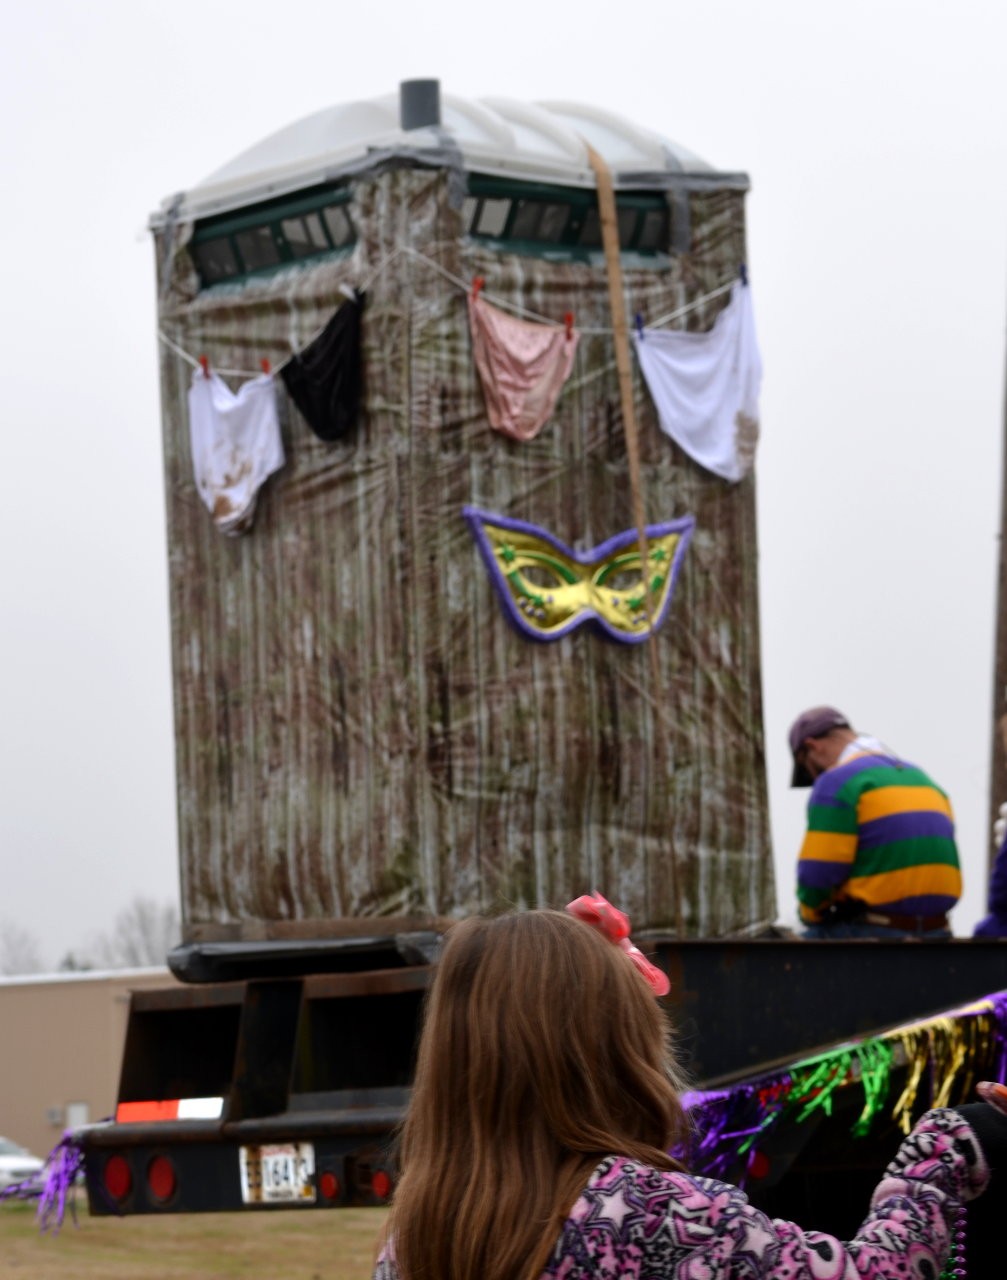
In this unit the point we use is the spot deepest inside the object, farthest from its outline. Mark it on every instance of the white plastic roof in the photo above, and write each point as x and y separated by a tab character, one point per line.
542	141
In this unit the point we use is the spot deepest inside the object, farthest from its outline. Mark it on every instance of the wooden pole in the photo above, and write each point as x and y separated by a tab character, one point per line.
613	270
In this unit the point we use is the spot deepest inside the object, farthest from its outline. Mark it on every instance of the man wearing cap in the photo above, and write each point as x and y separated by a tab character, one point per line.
879	859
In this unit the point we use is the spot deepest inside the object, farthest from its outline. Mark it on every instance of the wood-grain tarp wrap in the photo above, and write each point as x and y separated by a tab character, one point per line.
363	740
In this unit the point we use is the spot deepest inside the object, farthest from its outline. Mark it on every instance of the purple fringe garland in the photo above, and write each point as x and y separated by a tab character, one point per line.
999	1003
726	1123
52	1186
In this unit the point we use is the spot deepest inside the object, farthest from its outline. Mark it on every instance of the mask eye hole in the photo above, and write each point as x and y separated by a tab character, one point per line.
623	579
537	575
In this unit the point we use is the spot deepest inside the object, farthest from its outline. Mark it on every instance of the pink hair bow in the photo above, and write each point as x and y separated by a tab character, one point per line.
613	924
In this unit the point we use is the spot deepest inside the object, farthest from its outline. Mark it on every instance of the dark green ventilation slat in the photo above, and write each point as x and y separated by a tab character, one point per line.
261	240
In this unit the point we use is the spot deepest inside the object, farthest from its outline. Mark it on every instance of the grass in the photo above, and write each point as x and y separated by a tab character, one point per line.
285	1244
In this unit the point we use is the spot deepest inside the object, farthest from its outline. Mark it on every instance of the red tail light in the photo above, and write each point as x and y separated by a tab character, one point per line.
118	1177
162	1180
758	1164
381	1184
328	1185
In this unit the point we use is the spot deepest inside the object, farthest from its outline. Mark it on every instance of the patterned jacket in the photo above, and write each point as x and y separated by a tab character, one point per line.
634	1222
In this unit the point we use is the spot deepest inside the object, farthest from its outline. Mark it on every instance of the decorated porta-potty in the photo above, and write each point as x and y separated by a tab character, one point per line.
416	670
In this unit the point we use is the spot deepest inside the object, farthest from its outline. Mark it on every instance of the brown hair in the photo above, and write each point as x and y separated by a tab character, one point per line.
543	1050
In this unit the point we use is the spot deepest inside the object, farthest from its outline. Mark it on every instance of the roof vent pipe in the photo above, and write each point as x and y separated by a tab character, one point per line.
419	103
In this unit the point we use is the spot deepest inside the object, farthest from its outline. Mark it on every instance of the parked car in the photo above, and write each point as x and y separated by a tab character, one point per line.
17	1164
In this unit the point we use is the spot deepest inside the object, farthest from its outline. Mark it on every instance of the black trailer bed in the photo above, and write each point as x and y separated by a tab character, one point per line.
323	1062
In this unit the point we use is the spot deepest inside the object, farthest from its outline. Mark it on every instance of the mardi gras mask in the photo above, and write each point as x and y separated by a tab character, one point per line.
548	589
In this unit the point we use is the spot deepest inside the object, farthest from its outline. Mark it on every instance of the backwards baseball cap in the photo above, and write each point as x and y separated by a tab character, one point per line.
816	722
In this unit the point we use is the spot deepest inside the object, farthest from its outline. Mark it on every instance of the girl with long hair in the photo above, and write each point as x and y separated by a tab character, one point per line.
537	1140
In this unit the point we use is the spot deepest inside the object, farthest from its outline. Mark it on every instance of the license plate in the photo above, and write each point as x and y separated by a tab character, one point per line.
283	1173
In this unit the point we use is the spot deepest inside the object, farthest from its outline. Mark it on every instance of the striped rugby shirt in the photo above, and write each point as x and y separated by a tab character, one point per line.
880	831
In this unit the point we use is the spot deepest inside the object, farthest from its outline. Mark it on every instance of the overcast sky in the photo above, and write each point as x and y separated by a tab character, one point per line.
876	138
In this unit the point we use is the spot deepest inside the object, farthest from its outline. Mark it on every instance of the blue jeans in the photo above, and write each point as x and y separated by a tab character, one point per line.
858	929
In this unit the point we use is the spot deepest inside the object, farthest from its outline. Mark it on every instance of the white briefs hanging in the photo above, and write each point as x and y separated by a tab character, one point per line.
706	387
236	444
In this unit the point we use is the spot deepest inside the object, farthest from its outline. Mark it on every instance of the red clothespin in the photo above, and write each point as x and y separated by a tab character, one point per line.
477	284
266	366
568	321
204	364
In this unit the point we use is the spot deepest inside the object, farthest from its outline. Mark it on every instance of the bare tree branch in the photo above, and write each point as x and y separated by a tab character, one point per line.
141	936
19	950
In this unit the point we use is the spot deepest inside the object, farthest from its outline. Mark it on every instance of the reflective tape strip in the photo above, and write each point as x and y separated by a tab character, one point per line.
200	1108
171	1109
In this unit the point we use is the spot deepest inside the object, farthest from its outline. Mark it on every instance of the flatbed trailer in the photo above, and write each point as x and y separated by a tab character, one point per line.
316	1069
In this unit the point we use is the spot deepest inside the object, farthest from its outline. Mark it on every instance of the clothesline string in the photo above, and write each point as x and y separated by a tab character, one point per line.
526	313
184	355
384	264
661	321
464	286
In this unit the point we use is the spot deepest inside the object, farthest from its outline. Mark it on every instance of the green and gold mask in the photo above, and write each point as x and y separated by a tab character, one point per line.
547	589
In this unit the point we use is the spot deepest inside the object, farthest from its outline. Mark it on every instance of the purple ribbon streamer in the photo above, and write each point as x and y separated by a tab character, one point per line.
999	1003
27	1189
62	1165
725	1121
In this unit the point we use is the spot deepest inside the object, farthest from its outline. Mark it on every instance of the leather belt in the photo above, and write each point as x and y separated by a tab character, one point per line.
910	924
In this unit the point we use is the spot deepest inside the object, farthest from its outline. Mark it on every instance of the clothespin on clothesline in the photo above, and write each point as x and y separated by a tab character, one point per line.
568	321
743	273
638	321
266	366
477	284
204	364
